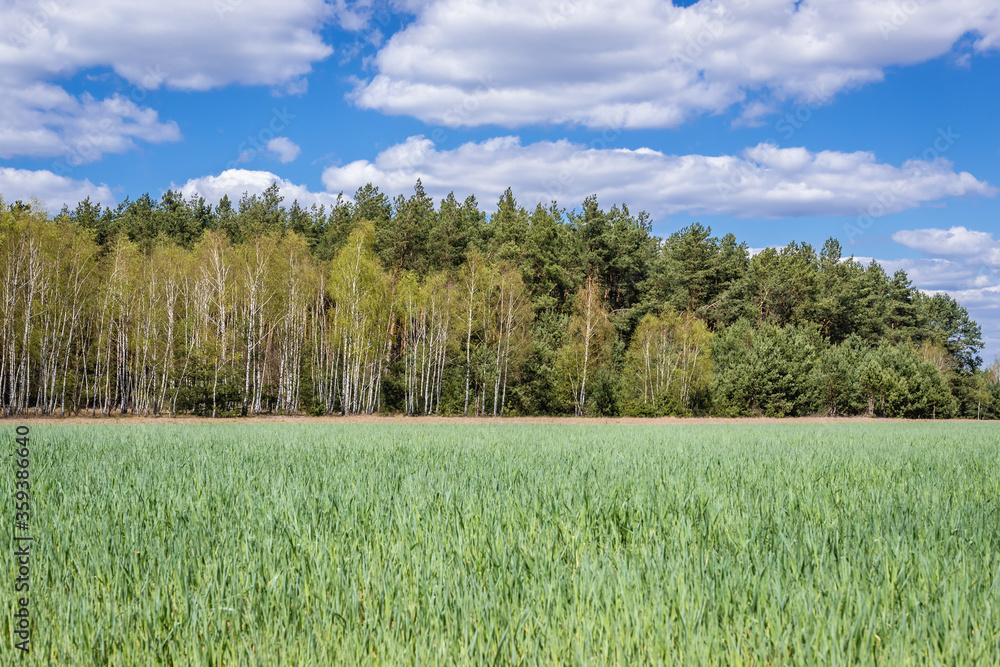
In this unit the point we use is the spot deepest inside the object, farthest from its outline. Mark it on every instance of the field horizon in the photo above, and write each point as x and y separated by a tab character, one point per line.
459	419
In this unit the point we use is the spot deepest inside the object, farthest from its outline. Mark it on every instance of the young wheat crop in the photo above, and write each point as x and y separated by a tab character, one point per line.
229	543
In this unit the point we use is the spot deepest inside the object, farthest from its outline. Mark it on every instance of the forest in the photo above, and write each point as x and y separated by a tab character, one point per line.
403	306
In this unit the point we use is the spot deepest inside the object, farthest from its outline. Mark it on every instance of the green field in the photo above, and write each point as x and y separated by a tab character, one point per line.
423	544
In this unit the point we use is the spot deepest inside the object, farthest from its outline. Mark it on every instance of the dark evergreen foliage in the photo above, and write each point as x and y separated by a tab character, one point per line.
794	332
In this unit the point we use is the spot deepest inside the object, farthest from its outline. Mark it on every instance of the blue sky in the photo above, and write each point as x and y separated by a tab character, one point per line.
871	122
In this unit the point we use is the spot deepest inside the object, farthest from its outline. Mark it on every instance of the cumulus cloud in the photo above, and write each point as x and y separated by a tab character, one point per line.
973	246
963	263
42	120
235	182
355	15
970	285
649	63
936	273
187	44
764	181
52	189
184	45
984	306
284	149
958	260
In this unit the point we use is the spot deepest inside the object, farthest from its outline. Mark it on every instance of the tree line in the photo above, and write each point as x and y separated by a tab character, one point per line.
401	305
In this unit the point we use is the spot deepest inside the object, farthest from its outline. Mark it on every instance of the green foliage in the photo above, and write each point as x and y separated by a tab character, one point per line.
837	377
766	370
401	241
456	229
668	363
620	252
899	383
587	352
354	543
696	270
952	327
799	332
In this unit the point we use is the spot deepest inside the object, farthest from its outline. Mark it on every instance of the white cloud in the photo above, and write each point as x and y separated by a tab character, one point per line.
43	120
234	182
765	181
284	149
756	251
983	305
937	274
958	242
969	285
50	188
649	63
185	45
354	16
971	274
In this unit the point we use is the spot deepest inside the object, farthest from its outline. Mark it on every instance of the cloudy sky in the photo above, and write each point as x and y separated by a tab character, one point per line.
778	120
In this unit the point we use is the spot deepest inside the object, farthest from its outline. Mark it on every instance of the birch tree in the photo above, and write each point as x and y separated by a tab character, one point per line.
590	331
473	285
24	281
510	316
668	359
363	320
218	316
426	312
298	291
325	366
256	294
70	261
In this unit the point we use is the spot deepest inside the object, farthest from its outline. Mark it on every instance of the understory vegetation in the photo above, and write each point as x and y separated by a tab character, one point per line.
404	306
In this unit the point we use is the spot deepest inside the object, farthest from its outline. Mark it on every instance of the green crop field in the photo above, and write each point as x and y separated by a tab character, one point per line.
230	543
